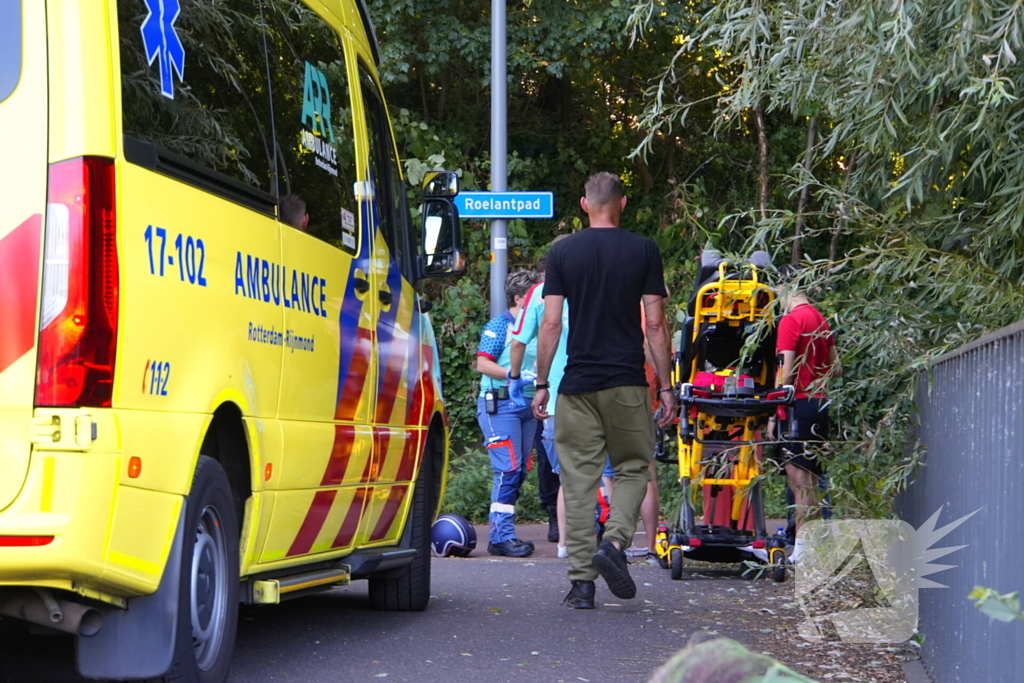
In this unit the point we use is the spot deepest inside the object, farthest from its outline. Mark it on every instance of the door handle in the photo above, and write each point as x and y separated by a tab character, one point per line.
362	286
385	297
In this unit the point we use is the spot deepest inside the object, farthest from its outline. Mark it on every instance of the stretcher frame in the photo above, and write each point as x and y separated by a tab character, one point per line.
740	413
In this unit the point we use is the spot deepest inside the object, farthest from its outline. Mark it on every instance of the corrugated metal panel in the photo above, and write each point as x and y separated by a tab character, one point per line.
971	420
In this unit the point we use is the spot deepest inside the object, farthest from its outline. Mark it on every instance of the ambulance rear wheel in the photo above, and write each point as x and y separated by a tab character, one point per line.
408	589
208	598
676	562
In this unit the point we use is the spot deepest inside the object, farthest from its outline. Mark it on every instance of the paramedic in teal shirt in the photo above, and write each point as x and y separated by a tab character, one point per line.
524	337
509	428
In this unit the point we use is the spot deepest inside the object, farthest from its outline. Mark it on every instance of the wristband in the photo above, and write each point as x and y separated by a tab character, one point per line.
513	377
662	391
541	385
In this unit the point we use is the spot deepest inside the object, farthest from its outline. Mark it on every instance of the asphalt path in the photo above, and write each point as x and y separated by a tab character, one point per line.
489	619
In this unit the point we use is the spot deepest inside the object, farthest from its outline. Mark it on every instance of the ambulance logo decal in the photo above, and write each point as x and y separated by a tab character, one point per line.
161	42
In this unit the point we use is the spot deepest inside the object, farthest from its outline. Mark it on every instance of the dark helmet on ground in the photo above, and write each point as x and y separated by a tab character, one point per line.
452	536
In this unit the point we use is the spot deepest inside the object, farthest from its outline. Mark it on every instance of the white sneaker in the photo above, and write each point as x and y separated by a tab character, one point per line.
798	551
563	552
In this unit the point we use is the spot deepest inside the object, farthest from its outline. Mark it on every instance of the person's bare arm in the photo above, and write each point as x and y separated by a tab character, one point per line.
547	343
835	367
516	354
658	342
486	366
548	336
660	345
788	371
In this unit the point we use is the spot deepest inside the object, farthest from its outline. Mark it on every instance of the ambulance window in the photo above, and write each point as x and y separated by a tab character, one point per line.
10	47
384	175
194	94
312	122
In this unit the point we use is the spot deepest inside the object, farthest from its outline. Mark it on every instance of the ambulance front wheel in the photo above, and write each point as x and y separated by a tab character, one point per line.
408	589
208	597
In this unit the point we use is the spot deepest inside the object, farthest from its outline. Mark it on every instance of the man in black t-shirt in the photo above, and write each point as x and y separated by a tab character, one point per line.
604	405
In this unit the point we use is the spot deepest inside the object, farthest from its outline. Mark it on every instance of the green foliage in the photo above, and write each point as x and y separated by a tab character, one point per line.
913	235
1005	608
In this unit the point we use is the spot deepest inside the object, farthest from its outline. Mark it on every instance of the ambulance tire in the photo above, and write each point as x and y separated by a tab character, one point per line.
408	589
206	640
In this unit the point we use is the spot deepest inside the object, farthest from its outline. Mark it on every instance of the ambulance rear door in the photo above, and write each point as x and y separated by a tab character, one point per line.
23	148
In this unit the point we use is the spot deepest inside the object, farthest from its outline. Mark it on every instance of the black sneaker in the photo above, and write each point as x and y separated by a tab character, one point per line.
510	548
611	564
581	596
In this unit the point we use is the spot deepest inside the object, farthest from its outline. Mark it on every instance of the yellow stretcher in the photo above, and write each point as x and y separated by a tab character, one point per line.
724	376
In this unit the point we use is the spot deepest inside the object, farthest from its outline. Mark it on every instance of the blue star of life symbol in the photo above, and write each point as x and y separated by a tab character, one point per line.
160	39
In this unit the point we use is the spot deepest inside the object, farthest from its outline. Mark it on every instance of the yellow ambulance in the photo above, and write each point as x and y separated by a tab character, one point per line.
218	381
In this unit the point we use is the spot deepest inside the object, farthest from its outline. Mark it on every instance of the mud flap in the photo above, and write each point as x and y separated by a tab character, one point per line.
138	642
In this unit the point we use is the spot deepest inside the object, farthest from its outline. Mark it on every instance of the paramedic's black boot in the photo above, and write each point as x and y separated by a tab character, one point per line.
581	596
552	524
511	548
610	563
522	542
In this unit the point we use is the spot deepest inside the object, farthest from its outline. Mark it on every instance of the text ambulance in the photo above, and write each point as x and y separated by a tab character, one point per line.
218	384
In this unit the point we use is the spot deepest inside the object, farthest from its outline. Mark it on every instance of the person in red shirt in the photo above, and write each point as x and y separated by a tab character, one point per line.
807	360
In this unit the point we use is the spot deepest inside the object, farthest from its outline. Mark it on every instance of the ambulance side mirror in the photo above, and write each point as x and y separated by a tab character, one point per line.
442	237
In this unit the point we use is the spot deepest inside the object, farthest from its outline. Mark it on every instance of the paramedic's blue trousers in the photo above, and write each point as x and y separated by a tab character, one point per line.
508	437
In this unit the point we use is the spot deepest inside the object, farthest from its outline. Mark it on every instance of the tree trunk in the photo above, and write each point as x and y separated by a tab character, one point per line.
805	191
441	98
423	98
840	225
762	172
670	157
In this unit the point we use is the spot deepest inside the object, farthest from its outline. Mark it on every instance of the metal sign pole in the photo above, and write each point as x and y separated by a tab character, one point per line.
499	154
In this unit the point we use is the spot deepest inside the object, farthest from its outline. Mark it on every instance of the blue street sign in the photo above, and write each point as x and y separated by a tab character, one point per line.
505	204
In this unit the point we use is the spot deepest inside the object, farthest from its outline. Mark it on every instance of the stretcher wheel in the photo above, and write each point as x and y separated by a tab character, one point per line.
778	557
661	546
676	560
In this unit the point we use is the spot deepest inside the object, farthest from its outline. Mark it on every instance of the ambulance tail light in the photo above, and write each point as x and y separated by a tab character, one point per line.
78	321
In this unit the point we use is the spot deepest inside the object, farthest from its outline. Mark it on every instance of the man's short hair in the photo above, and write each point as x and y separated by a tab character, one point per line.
518	283
602	188
293	208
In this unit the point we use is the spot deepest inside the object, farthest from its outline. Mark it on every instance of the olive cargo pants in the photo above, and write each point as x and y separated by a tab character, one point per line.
618	422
